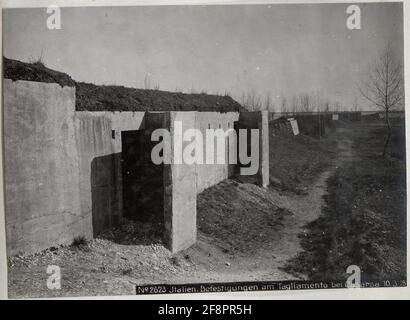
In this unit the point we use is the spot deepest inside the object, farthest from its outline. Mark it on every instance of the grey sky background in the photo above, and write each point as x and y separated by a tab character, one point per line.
278	49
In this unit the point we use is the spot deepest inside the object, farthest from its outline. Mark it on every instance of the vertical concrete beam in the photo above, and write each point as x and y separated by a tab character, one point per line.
263	126
179	188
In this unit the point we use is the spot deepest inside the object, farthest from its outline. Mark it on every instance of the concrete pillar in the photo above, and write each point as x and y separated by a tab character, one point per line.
263	125
179	189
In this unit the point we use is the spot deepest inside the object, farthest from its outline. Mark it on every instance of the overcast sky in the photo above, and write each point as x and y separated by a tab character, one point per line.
275	49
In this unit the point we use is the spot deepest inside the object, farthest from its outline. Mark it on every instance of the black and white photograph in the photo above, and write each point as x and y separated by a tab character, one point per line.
199	149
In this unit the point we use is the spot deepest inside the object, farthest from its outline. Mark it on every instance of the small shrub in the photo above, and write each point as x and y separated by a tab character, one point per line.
79	241
175	261
126	272
39	61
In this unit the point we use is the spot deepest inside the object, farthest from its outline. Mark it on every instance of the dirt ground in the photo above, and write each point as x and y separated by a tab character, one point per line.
296	161
293	230
363	221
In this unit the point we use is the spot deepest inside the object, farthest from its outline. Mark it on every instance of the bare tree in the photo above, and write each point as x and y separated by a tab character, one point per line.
305	102
284	104
255	101
337	107
320	103
355	106
383	86
295	105
325	106
317	102
268	103
252	101
147	81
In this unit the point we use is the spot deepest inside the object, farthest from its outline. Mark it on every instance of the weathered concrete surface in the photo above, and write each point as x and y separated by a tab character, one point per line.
97	171
120	121
180	191
210	174
263	124
98	136
42	200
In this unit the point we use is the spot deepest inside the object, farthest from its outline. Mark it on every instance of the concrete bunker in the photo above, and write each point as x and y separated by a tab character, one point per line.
79	187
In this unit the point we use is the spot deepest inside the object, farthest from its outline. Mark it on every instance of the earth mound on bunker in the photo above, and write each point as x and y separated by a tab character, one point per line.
37	72
118	98
91	97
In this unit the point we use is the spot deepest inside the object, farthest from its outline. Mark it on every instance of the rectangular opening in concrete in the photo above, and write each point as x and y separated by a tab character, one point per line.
143	184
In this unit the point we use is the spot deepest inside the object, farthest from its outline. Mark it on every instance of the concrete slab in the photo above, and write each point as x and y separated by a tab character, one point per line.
179	191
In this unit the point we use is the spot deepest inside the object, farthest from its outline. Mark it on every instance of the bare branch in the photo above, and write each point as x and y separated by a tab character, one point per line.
383	84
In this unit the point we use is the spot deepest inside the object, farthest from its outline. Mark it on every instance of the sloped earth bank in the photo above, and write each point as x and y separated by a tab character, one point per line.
245	233
296	161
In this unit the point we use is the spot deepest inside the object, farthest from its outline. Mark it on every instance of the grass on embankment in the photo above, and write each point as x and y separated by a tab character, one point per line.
296	161
363	221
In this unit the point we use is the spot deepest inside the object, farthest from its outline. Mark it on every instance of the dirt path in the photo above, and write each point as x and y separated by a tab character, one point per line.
363	219
267	262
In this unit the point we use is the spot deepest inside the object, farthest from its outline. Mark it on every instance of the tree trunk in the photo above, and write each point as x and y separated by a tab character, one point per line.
386	144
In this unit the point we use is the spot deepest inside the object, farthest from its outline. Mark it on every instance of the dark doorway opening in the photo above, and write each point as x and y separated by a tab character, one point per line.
143	185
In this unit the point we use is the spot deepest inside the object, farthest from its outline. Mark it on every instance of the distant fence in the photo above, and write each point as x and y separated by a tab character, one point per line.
284	127
314	124
350	116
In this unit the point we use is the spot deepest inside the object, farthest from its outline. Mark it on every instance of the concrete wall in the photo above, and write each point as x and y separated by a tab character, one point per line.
263	126
210	174
180	191
99	145
42	200
99	187
120	121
